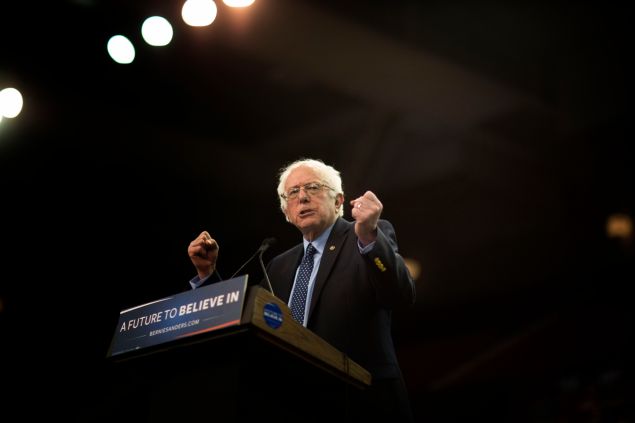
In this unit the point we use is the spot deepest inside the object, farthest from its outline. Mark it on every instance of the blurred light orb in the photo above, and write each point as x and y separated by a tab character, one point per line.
10	103
157	31
414	267
238	3
199	12
619	225
121	49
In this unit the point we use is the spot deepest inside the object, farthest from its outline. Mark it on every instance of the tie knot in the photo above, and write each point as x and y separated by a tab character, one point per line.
310	250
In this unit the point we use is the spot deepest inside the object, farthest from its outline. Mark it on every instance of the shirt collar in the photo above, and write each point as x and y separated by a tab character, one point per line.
320	241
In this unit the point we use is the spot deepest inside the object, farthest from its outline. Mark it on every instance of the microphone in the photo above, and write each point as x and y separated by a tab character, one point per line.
266	243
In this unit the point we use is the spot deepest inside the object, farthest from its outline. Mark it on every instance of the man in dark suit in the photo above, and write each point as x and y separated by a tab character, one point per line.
342	282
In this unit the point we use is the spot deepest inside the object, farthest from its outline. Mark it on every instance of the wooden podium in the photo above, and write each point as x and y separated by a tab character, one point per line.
268	367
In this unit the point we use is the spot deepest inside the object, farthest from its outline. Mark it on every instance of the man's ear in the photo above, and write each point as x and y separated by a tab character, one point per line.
339	200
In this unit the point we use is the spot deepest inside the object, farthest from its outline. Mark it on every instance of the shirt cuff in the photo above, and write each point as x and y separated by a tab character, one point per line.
195	282
366	249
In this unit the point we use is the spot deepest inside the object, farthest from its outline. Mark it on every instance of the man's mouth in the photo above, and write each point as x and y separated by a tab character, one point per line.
305	212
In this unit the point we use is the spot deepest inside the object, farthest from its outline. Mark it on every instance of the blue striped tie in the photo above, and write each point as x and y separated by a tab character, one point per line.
298	301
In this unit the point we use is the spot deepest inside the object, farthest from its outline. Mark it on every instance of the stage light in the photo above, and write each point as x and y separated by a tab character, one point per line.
10	102
238	3
199	12
121	49
619	225
157	31
414	267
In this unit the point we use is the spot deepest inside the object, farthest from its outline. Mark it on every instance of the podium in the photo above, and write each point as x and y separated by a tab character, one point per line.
264	367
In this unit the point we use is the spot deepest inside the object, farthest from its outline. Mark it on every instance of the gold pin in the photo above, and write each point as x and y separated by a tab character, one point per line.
379	264
332	247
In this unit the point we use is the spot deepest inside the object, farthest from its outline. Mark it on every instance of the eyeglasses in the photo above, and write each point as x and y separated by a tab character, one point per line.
312	188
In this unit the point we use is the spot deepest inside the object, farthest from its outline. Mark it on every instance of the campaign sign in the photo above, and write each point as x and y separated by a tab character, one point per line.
189	313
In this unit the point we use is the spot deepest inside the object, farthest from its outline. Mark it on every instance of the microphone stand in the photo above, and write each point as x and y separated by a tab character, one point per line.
263	247
264	271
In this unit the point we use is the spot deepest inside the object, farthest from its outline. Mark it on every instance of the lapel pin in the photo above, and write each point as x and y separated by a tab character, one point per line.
332	247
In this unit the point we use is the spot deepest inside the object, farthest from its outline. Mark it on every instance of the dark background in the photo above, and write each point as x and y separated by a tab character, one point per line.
498	137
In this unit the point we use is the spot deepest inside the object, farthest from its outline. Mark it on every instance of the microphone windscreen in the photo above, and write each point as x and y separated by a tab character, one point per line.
266	243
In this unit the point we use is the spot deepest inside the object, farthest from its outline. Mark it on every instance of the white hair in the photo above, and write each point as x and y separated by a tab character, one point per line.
327	174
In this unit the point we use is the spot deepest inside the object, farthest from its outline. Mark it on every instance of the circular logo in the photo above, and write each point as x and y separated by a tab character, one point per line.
272	315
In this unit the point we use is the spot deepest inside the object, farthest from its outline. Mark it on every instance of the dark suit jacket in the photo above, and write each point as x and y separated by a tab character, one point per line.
353	294
351	307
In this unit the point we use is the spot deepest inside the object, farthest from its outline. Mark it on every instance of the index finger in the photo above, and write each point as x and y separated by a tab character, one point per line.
205	236
206	239
369	195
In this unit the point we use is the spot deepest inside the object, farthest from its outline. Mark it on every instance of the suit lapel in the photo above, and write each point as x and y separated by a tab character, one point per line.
329	255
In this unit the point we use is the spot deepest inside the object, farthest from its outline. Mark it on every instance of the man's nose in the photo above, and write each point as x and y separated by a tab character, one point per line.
303	195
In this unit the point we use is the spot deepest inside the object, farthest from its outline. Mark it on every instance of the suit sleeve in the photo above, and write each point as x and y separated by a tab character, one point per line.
388	272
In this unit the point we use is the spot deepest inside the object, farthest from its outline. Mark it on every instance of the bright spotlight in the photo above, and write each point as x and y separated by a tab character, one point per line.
199	12
157	31
121	49
10	102
238	3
